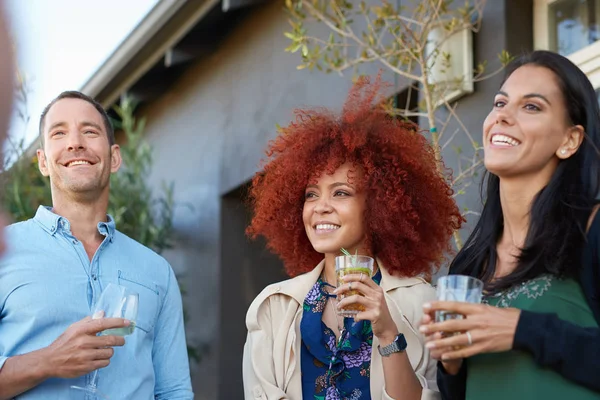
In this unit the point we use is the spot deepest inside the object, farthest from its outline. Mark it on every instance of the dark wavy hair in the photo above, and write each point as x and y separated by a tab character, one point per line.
410	212
559	212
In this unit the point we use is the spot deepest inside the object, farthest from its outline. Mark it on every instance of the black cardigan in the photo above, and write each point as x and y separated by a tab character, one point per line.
570	350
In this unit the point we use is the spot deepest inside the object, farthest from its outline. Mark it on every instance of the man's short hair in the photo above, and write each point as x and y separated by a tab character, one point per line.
73	94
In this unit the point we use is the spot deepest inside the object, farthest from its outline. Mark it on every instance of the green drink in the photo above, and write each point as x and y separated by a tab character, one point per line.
128	330
115	301
352	264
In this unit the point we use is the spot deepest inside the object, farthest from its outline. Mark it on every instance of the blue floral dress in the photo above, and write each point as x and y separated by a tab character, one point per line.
334	370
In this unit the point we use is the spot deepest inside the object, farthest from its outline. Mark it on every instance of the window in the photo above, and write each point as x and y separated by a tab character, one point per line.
408	101
571	28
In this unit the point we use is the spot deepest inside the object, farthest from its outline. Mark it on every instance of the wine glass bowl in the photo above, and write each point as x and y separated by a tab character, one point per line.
115	301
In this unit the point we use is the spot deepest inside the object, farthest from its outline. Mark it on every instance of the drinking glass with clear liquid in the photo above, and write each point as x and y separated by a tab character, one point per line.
461	288
115	302
353	264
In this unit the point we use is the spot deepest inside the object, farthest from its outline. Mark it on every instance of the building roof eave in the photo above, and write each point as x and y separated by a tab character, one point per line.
160	30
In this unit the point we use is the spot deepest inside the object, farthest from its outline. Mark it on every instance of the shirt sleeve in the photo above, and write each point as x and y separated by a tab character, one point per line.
426	371
258	371
568	349
169	355
452	387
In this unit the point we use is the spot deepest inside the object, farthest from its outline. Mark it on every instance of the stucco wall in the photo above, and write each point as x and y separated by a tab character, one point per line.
209	132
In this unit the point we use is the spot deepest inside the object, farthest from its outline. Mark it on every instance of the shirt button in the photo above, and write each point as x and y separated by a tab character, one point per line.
94	277
75	241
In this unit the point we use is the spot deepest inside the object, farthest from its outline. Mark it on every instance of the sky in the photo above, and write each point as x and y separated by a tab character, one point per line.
61	43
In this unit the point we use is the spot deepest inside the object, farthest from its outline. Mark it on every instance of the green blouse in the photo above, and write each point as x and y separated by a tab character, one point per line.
514	375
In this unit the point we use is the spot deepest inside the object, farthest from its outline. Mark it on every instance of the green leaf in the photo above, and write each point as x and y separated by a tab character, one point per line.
291	48
295	47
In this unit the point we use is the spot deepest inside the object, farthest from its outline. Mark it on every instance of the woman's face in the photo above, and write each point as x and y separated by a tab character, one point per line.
333	212
528	130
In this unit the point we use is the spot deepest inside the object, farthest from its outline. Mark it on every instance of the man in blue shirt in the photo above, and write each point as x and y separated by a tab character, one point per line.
56	266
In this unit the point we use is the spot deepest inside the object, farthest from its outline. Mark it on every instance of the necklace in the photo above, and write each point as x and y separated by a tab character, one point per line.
342	334
341	327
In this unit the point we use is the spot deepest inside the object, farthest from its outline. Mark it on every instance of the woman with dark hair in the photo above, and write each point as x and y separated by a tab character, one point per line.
535	246
367	183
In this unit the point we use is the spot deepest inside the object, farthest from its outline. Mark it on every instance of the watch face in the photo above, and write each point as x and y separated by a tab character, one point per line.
398	345
401	342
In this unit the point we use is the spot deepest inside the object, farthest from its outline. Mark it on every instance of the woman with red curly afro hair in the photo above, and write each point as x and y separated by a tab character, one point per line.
367	183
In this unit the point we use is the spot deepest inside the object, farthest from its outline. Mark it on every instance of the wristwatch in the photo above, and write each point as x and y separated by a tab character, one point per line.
397	346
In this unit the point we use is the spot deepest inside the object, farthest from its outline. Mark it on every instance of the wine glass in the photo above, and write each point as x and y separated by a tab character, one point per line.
115	302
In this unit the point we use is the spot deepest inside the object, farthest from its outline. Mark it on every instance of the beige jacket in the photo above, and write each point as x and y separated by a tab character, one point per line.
271	365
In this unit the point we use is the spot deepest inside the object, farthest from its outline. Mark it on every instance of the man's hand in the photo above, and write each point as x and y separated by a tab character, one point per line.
78	351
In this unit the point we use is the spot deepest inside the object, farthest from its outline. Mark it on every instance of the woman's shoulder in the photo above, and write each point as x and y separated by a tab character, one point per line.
281	293
411	296
416	288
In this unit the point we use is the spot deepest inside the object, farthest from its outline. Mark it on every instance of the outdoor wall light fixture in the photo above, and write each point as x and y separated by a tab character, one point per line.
450	63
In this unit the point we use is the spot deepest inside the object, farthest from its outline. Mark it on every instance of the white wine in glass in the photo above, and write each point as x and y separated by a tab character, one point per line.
115	302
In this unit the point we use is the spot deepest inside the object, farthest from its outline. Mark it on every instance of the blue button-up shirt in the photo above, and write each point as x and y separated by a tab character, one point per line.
47	283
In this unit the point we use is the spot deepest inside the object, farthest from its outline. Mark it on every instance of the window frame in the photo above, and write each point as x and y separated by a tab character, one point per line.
587	58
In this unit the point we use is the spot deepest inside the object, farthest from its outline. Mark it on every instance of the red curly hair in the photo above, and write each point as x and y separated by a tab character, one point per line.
410	214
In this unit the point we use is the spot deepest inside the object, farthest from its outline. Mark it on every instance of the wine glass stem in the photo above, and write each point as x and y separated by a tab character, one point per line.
94	380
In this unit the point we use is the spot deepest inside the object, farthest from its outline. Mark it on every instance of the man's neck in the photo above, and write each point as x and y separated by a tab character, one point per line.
83	216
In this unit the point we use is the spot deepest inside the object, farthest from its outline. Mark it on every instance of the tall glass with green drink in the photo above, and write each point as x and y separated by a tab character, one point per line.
352	264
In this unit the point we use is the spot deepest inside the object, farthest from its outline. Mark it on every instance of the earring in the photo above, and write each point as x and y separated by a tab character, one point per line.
563	151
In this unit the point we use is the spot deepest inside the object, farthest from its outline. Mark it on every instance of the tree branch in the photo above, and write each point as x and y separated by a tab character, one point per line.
468	171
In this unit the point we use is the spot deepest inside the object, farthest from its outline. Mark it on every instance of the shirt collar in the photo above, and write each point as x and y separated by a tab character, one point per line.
52	222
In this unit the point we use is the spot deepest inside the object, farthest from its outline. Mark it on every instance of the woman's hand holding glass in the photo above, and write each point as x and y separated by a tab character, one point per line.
484	329
372	298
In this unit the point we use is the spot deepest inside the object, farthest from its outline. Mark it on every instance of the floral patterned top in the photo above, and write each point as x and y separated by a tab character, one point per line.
330	370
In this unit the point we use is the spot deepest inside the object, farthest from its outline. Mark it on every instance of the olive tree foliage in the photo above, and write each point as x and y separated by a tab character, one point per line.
410	41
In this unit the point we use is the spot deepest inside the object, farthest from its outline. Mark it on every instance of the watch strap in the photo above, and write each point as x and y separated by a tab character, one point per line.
397	346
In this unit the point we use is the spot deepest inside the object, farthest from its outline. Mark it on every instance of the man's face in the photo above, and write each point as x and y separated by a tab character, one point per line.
77	155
